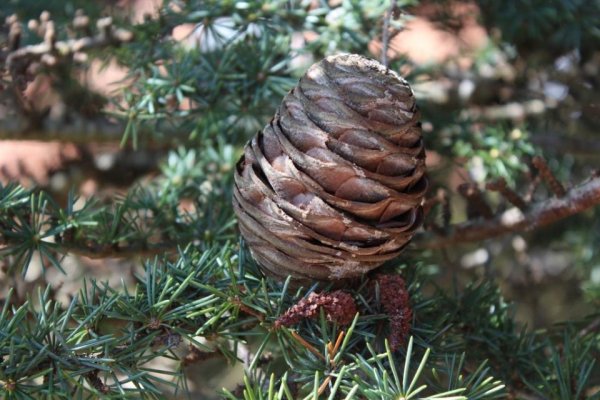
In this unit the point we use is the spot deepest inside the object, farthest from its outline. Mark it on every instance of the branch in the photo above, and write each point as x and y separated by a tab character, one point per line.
84	131
553	183
108	36
90	249
576	200
513	110
139	249
78	131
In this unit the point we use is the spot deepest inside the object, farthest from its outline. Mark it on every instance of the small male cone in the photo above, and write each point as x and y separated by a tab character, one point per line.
332	187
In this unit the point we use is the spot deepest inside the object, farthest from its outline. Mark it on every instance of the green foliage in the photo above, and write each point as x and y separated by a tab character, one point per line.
240	64
102	342
388	385
150	218
567	377
494	152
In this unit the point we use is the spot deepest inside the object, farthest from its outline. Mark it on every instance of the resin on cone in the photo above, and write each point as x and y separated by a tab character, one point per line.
332	187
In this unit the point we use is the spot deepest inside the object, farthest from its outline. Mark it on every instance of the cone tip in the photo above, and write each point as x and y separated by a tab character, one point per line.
360	62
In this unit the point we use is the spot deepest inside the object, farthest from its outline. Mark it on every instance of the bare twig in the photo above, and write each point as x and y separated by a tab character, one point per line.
440	198
99	130
108	35
432	202
14	34
593	326
576	200
509	194
96	250
514	110
385	37
534	183
475	200
116	251
84	131
196	355
446	210
551	180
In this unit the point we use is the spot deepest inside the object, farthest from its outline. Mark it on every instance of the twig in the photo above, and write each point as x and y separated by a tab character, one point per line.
196	355
14	33
509	194
133	250
108	35
90	249
534	182
432	202
475	200
551	180
514	110
244	308
385	37
96	251
441	198
83	131
446	210
591	327
576	200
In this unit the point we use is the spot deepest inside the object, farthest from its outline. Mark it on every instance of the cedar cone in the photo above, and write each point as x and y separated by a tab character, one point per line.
332	187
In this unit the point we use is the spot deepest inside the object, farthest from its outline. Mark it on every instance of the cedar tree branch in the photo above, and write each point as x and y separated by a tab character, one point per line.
576	200
107	36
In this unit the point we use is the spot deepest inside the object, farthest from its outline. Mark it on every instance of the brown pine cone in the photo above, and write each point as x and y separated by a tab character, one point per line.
332	187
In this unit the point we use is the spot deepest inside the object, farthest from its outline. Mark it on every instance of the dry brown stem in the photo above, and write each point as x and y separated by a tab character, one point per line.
552	182
576	200
509	194
475	200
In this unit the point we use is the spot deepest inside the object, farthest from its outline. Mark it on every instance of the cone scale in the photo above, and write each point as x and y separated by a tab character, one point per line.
332	187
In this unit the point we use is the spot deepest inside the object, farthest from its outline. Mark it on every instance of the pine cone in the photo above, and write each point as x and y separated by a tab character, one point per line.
332	187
